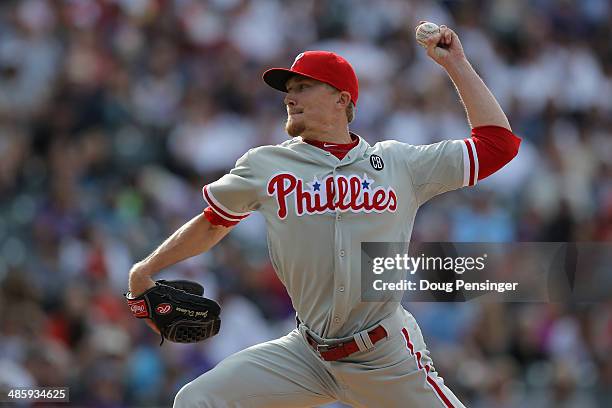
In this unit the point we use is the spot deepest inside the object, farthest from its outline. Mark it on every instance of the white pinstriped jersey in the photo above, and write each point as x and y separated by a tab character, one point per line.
319	209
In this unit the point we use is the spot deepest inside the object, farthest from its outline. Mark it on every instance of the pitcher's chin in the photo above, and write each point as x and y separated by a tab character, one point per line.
294	128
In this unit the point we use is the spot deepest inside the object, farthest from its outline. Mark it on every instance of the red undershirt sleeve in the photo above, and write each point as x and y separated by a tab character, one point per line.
495	146
216	219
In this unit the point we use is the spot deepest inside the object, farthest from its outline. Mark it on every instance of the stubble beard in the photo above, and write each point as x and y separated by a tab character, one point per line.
294	128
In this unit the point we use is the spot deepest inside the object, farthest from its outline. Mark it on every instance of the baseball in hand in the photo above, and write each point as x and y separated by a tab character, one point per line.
424	31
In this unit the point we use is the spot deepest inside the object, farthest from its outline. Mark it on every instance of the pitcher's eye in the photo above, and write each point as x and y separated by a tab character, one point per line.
298	87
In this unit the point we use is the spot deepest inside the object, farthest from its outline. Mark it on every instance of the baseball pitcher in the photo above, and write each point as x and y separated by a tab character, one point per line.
322	193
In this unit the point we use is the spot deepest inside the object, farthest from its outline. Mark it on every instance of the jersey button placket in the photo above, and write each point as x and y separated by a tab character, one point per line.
340	279
342	253
338	216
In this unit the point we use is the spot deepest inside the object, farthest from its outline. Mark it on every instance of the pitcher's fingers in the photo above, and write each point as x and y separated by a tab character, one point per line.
433	40
445	35
449	34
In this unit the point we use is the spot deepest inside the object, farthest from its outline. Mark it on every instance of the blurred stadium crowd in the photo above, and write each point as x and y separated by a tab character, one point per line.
114	113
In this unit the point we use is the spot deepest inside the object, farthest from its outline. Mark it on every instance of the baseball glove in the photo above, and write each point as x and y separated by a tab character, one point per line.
178	310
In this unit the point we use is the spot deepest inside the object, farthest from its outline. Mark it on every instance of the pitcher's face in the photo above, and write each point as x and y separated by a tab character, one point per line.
310	105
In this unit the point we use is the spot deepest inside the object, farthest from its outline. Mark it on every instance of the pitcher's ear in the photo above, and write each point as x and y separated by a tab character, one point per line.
344	98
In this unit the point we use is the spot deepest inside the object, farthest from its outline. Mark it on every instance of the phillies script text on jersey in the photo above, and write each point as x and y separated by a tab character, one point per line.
339	193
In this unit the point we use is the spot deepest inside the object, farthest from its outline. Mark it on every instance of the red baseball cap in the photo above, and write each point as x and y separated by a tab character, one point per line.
323	66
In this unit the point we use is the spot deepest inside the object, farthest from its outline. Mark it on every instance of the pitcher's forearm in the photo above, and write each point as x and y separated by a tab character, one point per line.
195	237
481	106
